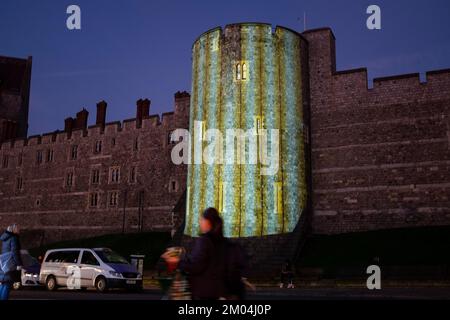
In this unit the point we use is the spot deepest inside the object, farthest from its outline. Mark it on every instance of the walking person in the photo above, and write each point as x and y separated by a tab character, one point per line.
10	260
206	265
287	275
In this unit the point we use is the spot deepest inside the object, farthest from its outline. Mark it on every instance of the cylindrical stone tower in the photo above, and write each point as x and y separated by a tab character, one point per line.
253	79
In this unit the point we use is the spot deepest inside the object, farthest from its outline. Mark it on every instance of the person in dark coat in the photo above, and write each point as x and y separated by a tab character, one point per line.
10	243
287	274
206	265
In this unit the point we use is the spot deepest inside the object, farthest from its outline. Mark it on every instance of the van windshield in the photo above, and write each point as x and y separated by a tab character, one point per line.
109	256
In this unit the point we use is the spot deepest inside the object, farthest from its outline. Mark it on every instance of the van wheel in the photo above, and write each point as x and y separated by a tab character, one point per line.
100	284
50	283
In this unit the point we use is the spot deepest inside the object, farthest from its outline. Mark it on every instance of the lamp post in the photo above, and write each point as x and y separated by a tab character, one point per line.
124	210
141	205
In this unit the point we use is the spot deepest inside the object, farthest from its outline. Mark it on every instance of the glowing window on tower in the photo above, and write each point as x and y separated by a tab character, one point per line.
238	71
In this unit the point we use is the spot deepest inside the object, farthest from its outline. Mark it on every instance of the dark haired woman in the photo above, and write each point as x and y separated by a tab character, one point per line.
206	265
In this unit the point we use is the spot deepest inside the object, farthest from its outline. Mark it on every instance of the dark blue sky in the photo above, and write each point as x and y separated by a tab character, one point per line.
132	49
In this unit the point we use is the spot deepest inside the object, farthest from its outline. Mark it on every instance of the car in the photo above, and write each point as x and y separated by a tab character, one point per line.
83	268
30	271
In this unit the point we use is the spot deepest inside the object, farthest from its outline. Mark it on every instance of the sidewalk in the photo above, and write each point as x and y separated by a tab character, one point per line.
150	283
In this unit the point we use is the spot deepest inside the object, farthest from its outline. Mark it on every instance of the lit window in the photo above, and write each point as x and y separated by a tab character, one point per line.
50	155
114	174
113	198
95	176
244	71
98	146
69	179
238	71
241	72
93	200
74	152
39	157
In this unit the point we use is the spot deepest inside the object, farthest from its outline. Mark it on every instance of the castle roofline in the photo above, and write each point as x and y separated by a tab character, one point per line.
219	28
320	30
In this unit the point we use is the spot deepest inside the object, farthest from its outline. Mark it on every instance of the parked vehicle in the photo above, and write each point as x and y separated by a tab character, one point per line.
30	271
82	268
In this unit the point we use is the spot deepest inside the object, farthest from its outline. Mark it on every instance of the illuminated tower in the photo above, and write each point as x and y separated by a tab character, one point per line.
250	77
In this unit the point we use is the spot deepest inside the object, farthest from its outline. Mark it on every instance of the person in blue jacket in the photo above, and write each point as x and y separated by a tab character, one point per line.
10	243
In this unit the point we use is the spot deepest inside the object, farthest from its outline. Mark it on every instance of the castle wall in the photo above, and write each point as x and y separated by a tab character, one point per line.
381	155
44	203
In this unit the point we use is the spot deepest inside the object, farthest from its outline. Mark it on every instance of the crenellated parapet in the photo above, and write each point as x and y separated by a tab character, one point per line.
77	127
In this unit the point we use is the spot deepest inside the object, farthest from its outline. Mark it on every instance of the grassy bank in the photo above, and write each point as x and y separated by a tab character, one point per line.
413	253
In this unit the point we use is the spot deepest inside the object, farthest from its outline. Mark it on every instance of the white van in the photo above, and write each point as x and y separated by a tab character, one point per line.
81	268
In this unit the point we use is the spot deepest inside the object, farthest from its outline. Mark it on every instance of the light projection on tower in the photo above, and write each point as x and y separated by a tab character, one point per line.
249	77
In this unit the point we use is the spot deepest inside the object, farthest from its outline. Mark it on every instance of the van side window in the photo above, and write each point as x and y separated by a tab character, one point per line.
88	258
63	257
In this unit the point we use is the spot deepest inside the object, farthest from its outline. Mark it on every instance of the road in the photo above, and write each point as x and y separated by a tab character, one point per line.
261	294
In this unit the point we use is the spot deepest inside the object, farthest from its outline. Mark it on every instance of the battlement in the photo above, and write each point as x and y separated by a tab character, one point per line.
267	31
344	88
380	152
144	122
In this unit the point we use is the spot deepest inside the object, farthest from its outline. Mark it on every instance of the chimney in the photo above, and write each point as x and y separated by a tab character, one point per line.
68	125
139	111
82	119
145	108
101	113
142	111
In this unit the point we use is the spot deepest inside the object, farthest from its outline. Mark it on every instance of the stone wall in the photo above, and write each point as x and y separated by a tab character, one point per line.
34	184
380	155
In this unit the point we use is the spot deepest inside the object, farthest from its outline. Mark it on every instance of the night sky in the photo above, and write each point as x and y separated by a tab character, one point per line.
133	49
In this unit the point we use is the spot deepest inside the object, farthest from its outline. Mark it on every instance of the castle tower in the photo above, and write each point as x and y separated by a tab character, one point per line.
253	79
15	77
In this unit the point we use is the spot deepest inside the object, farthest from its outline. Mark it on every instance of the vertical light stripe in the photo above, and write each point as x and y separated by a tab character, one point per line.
192	115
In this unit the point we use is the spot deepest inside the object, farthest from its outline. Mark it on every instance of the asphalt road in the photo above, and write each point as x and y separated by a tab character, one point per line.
65	294
260	294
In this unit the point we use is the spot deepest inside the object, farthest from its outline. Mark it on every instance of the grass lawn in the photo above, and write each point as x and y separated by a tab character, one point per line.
150	244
